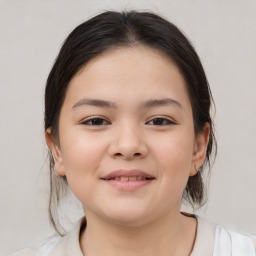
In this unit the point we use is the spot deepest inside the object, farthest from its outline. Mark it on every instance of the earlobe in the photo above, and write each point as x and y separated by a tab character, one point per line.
56	153
200	148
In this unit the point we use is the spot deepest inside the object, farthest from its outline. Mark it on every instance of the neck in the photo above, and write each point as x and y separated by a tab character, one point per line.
171	235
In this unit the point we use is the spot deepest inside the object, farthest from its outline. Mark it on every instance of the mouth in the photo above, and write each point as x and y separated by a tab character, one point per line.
128	179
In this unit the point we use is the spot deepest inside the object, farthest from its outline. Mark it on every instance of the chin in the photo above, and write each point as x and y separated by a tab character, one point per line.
128	217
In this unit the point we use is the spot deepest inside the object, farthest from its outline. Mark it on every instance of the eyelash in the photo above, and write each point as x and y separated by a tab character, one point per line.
87	122
167	121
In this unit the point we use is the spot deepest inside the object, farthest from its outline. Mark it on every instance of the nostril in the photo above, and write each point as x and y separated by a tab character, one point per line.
135	154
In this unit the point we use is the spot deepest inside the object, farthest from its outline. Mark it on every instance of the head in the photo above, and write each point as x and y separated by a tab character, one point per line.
114	36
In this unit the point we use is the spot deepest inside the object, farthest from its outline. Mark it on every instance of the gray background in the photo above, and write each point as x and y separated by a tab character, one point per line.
31	33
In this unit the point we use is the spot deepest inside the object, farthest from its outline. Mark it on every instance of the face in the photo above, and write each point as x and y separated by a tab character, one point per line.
126	137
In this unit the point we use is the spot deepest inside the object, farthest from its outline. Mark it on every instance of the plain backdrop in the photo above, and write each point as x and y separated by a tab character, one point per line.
31	33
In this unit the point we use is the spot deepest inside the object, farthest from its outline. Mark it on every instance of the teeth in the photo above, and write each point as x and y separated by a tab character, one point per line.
125	178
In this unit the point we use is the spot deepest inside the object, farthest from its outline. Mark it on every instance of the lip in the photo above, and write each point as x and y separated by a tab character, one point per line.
127	173
128	185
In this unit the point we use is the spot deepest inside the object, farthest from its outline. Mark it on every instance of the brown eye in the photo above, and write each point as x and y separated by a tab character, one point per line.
95	121
160	121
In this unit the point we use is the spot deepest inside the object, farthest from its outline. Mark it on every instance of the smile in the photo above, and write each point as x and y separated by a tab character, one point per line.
128	179
125	178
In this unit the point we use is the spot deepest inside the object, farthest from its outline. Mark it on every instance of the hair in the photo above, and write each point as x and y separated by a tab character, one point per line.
110	30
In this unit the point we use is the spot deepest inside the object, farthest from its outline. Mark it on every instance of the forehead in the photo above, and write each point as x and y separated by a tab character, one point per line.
126	59
136	72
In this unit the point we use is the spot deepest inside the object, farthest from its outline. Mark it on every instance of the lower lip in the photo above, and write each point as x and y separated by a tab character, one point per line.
128	185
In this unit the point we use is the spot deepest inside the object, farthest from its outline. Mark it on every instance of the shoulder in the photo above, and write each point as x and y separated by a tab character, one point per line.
227	240
43	249
24	252
213	239
57	245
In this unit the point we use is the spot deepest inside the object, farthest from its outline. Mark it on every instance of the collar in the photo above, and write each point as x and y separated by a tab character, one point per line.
205	236
69	244
204	242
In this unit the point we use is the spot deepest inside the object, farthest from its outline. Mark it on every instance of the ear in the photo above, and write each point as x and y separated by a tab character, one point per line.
200	147
56	153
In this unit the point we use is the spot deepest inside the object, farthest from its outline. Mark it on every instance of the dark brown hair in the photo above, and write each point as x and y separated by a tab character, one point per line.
114	29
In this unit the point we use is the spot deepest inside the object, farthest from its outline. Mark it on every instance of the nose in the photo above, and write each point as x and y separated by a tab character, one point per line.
128	143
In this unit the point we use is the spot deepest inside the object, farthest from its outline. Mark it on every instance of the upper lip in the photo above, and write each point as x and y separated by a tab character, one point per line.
127	173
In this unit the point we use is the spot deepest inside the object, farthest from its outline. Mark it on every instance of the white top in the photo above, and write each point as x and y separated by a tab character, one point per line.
211	240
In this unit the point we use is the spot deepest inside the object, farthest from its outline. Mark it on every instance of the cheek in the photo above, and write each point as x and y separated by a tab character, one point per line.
174	157
81	151
175	150
82	156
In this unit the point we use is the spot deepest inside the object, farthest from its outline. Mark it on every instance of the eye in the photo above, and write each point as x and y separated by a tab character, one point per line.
160	121
96	121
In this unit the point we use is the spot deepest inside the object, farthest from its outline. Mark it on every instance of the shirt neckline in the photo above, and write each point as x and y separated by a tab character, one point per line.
204	241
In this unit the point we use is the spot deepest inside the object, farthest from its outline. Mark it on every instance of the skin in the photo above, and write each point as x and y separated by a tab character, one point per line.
159	140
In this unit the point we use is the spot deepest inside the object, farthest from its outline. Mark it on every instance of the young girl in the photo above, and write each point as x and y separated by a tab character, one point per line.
128	125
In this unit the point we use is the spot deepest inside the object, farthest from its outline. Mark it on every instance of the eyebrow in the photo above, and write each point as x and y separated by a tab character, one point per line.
146	104
160	102
95	102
